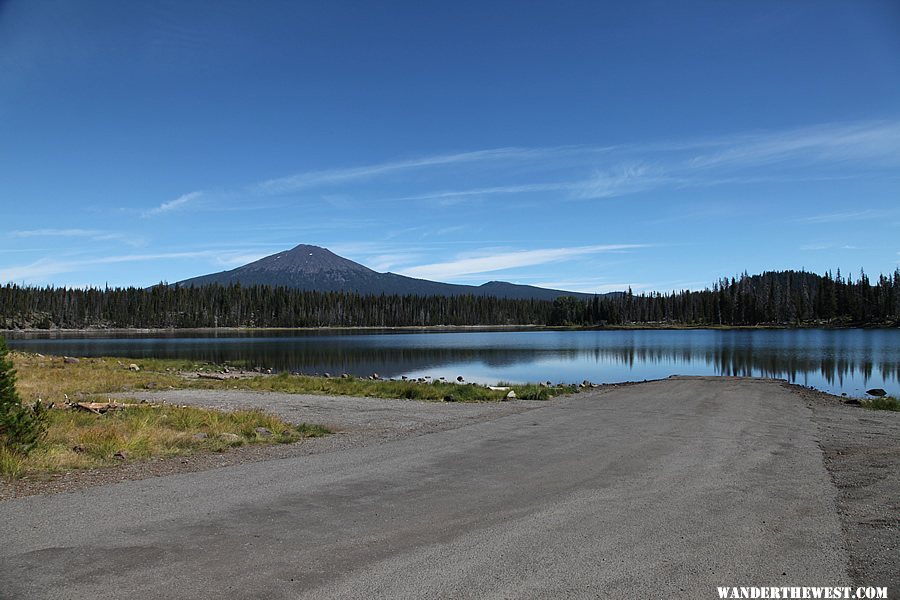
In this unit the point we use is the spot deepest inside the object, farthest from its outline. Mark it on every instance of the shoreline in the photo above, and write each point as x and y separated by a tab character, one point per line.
438	328
242	370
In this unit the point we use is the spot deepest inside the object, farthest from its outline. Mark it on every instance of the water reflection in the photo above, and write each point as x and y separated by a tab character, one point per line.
838	361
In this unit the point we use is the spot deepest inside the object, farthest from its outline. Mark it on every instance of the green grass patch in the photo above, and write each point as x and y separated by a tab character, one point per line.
885	403
409	390
311	430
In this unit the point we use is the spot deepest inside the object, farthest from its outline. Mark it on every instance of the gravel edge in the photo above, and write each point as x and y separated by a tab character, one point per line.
861	451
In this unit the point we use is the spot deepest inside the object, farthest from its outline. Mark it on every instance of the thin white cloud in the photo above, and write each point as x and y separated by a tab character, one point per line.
860	141
333	176
596	172
851	215
817	247
176	204
593	286
92	234
41	269
356	249
619	182
872	143
450	229
55	233
599	286
232	261
386	262
508	260
489	191
36	271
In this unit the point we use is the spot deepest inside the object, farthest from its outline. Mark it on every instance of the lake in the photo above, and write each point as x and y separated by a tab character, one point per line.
834	360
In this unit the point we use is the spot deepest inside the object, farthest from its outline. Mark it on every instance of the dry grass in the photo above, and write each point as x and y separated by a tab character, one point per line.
50	379
82	440
79	440
11	464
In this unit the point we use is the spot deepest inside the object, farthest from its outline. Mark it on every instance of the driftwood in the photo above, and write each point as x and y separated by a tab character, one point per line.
100	407
211	376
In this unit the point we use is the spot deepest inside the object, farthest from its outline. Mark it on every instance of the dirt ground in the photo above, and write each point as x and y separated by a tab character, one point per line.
861	450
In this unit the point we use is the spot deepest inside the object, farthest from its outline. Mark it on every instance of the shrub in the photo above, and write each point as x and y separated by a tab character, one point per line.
21	427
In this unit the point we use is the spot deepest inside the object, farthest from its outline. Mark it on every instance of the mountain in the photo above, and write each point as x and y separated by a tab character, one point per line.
318	269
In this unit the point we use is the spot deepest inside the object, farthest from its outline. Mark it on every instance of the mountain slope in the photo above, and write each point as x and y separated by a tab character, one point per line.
313	268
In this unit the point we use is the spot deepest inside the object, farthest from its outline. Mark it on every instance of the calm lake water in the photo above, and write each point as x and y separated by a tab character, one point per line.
838	361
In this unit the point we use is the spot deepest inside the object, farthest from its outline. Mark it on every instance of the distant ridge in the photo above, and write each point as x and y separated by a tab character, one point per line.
313	268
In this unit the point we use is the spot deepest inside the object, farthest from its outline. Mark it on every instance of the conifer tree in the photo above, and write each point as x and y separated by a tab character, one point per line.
21	427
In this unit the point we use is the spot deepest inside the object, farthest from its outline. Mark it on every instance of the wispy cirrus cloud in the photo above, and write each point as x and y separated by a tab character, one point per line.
740	159
39	270
386	262
55	233
619	180
92	234
587	172
509	260
231	261
593	286
452	195
831	142
173	205
343	175
817	247
626	179
850	215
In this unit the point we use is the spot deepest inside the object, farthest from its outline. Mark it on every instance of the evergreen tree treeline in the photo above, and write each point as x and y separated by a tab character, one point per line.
773	298
792	298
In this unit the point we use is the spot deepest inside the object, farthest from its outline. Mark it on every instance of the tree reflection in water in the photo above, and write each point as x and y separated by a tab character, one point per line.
838	361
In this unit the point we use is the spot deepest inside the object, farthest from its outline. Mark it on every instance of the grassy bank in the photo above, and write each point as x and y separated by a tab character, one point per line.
51	379
409	390
78	439
886	403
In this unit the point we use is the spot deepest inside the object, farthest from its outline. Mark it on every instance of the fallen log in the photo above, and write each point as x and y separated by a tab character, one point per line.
99	408
211	376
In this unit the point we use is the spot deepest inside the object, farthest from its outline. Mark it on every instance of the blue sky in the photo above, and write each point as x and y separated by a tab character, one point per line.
580	145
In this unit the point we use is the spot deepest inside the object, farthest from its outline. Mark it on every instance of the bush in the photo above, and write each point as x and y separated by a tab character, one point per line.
21	427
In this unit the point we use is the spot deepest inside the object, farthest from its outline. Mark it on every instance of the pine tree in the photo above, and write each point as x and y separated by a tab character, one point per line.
21	427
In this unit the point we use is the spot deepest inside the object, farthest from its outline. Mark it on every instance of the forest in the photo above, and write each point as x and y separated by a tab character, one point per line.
782	298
